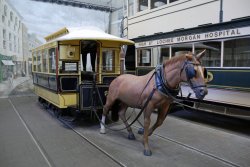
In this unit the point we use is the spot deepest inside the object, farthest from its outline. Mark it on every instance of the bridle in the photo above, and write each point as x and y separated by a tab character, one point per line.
188	66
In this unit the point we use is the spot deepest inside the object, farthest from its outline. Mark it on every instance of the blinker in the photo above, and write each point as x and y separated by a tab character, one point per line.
190	71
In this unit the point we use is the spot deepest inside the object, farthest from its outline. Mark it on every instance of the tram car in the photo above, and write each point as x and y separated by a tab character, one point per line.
227	60
73	69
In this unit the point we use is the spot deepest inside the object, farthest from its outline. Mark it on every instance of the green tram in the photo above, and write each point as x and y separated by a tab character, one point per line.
72	63
227	60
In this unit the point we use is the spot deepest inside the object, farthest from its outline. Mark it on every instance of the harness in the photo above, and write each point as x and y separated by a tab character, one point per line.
161	83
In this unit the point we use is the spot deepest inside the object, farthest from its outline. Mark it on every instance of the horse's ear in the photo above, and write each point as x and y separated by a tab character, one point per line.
189	56
200	55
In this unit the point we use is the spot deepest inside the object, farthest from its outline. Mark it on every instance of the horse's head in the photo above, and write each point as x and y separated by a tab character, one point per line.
193	73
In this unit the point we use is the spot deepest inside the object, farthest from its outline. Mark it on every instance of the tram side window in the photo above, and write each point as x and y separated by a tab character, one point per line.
181	49
34	61
157	3
237	53
52	60
144	57
39	61
44	60
68	67
170	1
164	55
108	61
142	5
212	57
131	8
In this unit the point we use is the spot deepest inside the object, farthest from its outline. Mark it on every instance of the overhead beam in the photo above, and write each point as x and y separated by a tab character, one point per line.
79	4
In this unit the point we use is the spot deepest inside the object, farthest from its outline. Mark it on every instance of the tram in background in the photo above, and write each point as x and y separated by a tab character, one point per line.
61	76
227	60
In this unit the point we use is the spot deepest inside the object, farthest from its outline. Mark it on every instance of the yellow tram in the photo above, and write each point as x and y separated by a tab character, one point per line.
63	77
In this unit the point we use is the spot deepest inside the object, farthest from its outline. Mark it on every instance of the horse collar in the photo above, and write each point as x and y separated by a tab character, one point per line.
161	83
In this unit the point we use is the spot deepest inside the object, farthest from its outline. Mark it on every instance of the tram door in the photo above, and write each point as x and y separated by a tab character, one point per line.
90	56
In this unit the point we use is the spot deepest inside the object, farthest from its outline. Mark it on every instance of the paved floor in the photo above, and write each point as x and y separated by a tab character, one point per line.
30	136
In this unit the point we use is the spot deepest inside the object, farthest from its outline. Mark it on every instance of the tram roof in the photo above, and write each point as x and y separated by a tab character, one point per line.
82	33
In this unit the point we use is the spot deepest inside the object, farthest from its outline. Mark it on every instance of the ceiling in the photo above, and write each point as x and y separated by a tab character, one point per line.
102	5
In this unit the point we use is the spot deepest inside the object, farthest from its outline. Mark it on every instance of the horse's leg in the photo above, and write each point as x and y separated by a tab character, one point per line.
162	113
147	120
106	109
123	109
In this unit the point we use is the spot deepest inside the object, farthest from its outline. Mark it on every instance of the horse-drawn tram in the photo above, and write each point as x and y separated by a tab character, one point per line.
72	64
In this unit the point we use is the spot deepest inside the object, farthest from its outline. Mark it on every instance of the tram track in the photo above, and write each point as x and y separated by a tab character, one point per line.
43	152
105	152
186	146
32	136
192	148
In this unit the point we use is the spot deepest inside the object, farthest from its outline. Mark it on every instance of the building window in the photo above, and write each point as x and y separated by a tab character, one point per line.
4	34
237	53
11	16
157	3
142	5
144	57
213	53
14	43
3	18
5	10
4	39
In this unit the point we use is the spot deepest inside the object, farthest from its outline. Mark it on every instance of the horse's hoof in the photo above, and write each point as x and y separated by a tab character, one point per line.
131	136
102	131
141	131
147	153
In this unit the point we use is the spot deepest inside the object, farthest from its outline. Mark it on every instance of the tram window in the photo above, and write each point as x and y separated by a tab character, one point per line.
52	60
131	8
108	61
142	5
157	3
44	60
144	57
181	48
68	67
39	65
34	61
170	1
212	57
164	55
237	53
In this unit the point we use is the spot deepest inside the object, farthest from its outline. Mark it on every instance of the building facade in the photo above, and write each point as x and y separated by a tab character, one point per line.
11	49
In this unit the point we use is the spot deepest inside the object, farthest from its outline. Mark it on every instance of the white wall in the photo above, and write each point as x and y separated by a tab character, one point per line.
236	9
184	14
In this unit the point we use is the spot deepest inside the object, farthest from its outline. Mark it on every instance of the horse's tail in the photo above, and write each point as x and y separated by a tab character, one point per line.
114	111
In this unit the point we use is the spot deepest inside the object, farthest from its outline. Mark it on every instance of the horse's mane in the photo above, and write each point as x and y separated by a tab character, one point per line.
175	59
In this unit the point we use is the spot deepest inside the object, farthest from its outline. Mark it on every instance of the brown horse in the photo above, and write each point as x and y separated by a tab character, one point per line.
157	89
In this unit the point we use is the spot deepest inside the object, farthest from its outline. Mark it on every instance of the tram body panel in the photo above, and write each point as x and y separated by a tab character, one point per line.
60	76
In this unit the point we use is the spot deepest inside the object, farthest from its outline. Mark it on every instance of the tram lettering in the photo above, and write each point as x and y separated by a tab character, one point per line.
142	44
165	41
188	38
